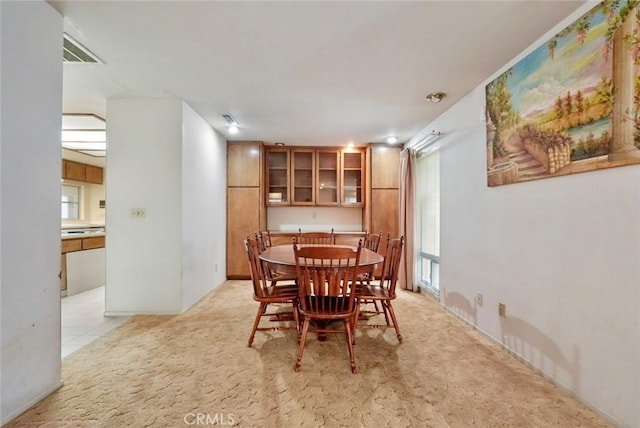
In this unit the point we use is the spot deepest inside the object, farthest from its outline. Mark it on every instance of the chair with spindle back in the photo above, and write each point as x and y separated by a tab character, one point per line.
267	294
273	272
371	242
327	285
315	238
383	290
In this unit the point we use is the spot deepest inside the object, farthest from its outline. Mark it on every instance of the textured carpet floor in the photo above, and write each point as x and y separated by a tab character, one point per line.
168	371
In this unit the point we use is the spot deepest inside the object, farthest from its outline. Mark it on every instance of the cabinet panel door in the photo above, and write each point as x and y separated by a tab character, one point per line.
244	164
385	167
243	218
278	176
327	177
302	177
94	242
74	171
93	174
69	245
352	178
385	212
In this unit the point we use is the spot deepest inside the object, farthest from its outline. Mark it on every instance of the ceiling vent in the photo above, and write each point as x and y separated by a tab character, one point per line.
230	120
76	53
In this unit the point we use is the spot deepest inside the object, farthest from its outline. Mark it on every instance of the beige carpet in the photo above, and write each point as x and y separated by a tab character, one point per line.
167	371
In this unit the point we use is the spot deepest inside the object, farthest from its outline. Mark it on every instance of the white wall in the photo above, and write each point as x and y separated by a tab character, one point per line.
163	157
289	219
144	255
30	204
562	253
204	187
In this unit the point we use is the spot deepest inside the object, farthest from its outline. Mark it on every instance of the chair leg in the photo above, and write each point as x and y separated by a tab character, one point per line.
303	340
354	325
385	311
261	311
395	321
347	326
296	318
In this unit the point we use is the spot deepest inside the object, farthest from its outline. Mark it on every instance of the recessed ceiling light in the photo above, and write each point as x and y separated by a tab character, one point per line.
350	145
233	130
392	140
436	97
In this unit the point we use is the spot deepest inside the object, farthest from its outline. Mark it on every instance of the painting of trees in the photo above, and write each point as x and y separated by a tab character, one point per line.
572	104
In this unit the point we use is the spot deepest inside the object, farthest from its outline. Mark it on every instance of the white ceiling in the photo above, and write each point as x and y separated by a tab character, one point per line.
302	73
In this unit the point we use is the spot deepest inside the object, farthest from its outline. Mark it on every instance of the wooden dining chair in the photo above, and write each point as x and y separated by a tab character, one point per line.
265	238
267	294
273	273
327	285
383	290
371	242
315	238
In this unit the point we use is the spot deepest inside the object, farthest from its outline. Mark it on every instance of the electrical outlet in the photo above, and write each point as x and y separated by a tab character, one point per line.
502	310
138	212
479	299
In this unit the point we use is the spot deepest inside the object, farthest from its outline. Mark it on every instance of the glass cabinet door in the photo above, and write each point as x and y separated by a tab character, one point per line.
352	189
302	166
327	174
278	177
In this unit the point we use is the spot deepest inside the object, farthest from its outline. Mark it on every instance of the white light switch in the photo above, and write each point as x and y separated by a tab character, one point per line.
138	213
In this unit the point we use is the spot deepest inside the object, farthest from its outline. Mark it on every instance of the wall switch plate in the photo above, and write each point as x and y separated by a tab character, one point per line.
138	213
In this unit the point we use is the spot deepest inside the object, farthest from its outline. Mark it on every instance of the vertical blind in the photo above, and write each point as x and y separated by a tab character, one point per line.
428	218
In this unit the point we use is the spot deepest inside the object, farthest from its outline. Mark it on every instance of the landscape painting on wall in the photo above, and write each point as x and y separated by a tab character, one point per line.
571	105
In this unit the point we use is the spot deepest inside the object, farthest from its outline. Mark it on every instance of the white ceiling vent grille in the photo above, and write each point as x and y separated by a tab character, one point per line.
230	119
75	52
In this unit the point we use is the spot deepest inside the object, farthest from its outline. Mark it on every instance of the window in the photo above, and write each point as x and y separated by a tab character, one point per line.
428	220
70	202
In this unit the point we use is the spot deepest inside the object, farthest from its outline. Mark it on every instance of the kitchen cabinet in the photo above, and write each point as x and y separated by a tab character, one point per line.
246	213
327	177
382	212
82	172
278	176
303	166
85	270
300	176
81	272
93	174
352	178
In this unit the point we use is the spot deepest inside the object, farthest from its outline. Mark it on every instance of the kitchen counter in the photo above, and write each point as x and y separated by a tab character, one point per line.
83	259
81	235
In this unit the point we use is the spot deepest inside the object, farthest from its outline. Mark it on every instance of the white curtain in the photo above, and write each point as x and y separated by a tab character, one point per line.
407	219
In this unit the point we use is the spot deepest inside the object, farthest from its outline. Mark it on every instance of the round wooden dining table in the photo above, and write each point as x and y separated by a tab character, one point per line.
283	255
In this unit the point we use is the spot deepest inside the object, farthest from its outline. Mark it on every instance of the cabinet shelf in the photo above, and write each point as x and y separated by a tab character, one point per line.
323	177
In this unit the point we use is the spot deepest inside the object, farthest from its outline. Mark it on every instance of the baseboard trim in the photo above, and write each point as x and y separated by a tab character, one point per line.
27	406
133	313
527	363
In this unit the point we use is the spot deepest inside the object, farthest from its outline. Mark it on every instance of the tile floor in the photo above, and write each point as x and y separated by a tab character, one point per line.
83	320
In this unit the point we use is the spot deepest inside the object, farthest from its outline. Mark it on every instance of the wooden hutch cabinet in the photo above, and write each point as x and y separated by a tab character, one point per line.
246	213
303	164
301	176
352	178
382	210
327	177
278	176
